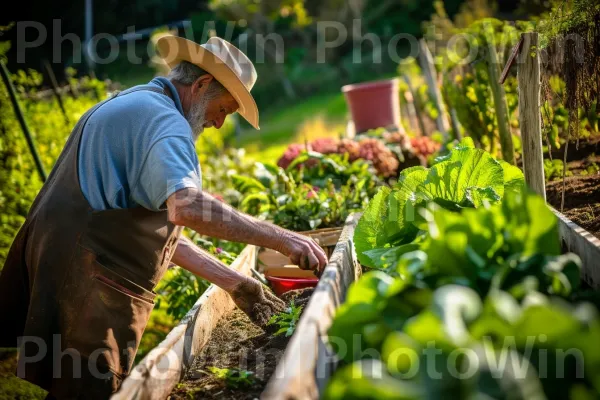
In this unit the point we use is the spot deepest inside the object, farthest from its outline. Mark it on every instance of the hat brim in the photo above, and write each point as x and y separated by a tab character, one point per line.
174	49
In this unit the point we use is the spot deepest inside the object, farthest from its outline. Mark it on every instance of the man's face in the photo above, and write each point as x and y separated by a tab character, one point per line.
209	107
219	108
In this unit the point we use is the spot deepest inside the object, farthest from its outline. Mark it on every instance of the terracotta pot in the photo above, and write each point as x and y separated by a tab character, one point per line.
373	104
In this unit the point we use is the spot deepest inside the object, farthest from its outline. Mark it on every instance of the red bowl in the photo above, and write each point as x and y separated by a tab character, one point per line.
285	284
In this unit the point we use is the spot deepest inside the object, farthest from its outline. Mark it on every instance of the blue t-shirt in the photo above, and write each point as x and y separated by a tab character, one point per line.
137	150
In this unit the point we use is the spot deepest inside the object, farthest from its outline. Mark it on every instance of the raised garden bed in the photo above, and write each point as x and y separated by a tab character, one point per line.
577	240
579	221
214	333
308	361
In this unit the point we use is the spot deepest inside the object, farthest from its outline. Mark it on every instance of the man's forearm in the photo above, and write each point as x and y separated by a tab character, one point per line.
211	217
190	257
208	216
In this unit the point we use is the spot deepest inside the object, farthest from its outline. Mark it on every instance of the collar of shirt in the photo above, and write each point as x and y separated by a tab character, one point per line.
164	82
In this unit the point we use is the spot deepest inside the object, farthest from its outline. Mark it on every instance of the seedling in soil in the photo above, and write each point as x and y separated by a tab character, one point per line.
234	378
286	320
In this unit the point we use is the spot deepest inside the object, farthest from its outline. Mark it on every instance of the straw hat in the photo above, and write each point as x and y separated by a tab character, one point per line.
225	62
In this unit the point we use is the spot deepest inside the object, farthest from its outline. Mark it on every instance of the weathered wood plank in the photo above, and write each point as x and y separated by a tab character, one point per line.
511	60
530	118
577	240
158	373
309	361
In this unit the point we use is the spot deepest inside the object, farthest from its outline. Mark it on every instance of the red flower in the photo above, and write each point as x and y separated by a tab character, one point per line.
290	155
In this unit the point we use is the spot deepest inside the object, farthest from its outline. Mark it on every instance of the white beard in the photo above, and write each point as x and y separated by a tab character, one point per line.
196	117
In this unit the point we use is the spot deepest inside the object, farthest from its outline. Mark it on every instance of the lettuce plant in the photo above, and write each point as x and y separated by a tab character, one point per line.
484	282
511	247
465	178
515	350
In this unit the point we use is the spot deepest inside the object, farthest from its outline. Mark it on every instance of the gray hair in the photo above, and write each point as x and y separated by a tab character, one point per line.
186	73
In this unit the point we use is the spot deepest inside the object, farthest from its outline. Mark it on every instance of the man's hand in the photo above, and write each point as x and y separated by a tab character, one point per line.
259	304
247	293
302	251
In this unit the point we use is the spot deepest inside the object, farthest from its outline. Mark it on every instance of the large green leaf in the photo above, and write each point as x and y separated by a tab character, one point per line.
370	225
465	178
513	177
382	223
387	258
531	226
460	245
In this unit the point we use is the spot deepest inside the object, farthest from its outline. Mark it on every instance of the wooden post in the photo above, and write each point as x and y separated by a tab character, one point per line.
508	152
21	118
431	78
528	74
55	89
416	104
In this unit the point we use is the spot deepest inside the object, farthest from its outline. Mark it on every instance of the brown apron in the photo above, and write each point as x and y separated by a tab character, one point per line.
76	290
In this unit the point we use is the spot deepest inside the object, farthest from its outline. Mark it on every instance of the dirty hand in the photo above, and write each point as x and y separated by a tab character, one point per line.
259	304
304	252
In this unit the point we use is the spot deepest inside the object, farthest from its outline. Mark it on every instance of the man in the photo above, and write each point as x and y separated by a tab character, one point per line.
77	287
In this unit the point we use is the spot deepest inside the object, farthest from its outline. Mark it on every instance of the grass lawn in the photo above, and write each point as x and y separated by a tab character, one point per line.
318	116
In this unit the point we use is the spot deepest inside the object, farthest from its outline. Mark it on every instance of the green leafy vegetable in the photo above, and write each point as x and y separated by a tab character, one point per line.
287	320
234	378
316	191
465	178
476	283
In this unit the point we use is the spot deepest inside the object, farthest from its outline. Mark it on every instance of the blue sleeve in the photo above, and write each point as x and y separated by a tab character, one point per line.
171	165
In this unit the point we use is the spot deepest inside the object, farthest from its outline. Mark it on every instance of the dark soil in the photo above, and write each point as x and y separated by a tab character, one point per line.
582	192
237	343
586	147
